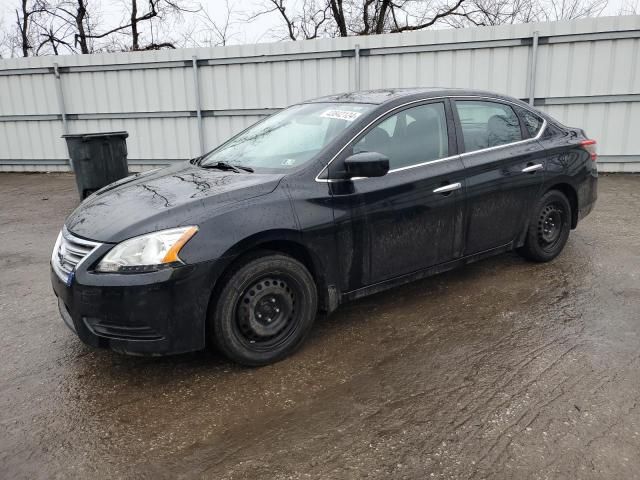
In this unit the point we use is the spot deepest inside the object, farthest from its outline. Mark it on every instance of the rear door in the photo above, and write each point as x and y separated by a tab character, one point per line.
504	168
411	218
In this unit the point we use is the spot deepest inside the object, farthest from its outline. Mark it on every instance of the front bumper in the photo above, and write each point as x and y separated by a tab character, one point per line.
155	313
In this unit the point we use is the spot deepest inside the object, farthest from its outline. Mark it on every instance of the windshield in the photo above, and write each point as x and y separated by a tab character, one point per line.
288	138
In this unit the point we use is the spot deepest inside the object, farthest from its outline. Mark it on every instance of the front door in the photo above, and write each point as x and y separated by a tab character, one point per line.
411	218
504	173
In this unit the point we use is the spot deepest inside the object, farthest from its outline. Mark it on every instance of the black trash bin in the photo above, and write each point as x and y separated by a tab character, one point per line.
98	159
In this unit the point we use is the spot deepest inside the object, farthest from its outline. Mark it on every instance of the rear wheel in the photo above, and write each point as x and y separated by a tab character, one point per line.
265	309
548	228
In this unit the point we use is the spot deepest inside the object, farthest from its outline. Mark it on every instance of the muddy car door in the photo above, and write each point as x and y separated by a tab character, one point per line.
505	170
410	218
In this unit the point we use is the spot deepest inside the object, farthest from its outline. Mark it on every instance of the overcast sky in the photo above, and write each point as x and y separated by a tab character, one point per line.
265	28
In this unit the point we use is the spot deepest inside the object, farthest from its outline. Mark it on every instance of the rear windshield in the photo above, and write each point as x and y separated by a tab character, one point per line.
288	139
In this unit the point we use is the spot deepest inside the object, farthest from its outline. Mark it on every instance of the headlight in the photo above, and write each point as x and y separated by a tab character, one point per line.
148	252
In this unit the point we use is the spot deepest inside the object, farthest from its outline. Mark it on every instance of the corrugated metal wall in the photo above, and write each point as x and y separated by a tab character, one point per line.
174	104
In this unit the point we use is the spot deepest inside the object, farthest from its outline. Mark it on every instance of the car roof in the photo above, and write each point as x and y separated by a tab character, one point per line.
381	96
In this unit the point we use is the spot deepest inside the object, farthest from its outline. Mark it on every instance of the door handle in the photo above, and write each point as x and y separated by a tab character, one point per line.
448	188
533	168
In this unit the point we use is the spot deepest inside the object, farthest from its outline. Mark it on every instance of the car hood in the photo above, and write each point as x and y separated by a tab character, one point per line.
183	194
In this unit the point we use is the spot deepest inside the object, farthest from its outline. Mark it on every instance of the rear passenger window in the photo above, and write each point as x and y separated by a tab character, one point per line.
487	124
532	122
412	136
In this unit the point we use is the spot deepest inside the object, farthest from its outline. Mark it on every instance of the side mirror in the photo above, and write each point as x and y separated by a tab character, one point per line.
366	164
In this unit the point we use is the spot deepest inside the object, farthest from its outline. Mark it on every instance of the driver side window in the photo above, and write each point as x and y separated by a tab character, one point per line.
410	137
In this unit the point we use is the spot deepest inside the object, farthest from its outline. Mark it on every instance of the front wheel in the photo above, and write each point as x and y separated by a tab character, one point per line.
548	228
265	309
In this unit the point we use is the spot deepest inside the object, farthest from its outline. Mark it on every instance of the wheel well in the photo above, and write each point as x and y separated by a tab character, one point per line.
572	196
286	247
294	250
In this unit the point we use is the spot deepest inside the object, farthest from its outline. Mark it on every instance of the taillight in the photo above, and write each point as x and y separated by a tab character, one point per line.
590	146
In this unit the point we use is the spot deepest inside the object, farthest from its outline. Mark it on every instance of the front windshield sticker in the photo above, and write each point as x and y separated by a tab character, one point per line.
287	162
341	115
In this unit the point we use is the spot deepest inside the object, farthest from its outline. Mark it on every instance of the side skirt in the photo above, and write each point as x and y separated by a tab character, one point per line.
420	274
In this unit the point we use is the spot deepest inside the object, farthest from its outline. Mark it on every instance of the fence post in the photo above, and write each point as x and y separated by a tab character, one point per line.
63	113
196	88
357	61
533	60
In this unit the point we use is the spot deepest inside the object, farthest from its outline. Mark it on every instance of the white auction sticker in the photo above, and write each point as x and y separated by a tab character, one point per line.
340	115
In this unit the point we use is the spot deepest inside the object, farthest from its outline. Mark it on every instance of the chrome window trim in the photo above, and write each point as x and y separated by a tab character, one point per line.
428	162
452	157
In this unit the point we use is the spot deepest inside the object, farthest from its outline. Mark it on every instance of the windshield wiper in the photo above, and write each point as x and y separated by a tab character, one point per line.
223	166
220	166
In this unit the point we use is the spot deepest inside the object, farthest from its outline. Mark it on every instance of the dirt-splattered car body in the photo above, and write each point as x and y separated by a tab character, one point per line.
468	198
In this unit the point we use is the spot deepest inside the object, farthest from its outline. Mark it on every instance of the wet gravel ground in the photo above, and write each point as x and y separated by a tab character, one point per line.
502	369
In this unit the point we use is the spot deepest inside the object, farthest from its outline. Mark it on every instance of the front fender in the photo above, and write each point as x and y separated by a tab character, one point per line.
240	225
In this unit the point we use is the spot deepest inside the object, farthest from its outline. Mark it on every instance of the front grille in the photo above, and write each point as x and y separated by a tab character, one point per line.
69	252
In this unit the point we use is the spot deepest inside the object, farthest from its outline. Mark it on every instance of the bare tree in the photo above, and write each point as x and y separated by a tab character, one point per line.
372	17
572	9
24	15
204	30
54	37
7	45
76	26
337	10
156	9
629	7
80	18
312	20
71	23
499	12
55	27
222	31
421	19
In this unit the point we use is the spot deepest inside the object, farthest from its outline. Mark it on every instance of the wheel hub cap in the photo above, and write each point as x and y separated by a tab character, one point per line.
550	224
265	308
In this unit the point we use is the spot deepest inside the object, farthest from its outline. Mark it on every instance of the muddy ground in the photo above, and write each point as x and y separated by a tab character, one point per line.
503	369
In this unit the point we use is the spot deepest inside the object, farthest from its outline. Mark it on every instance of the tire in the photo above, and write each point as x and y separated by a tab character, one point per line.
265	309
549	228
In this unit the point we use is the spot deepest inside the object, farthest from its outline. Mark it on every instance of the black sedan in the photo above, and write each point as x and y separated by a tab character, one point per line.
324	202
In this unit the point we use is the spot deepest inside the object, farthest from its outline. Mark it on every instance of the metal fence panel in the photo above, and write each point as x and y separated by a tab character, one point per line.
585	73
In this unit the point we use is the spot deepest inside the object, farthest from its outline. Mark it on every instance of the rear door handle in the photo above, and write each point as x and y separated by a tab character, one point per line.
533	168
448	188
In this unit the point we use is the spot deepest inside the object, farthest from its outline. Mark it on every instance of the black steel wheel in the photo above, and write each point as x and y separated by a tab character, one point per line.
550	223
264	310
548	228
